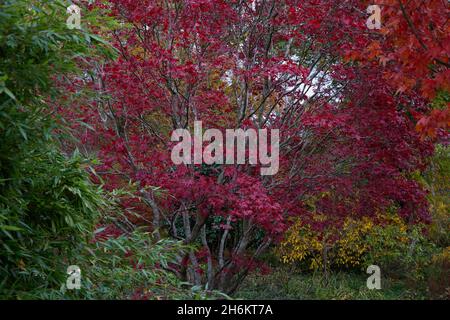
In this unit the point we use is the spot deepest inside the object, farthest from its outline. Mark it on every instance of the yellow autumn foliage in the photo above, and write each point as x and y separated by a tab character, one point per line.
340	247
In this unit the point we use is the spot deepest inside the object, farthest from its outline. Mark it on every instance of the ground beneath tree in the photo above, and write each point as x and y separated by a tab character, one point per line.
283	284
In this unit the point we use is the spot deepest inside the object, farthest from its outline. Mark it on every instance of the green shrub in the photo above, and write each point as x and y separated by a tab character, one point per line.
399	253
437	181
45	213
47	203
130	266
438	275
48	206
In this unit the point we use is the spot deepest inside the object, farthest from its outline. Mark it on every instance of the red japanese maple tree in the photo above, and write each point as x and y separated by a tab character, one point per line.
413	49
347	135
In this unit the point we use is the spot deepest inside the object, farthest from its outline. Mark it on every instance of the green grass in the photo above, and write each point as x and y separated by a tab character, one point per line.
287	284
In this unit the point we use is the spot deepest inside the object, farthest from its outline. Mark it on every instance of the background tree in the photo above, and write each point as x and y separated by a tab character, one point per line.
413	51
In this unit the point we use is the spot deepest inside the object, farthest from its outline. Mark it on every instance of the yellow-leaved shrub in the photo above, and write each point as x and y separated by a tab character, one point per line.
340	247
